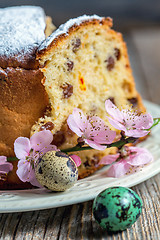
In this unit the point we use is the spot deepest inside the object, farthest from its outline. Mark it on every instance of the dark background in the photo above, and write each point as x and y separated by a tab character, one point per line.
126	13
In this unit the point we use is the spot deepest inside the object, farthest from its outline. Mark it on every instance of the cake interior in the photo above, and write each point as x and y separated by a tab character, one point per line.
85	68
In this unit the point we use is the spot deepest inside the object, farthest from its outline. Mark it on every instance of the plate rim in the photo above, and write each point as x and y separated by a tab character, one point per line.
8	198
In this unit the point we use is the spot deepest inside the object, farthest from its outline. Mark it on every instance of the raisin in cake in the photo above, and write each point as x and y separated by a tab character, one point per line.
23	98
84	63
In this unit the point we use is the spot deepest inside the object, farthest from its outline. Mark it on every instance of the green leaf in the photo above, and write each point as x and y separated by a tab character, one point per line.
155	122
12	159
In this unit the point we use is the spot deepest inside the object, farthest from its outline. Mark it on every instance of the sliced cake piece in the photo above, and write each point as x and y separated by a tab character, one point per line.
84	62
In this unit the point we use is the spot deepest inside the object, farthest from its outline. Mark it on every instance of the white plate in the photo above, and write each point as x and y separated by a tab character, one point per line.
88	188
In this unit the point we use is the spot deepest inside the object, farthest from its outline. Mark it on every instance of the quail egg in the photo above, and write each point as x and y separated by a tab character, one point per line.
56	171
117	208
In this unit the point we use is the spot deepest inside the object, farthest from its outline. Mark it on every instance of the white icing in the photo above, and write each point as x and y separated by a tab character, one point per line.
21	31
63	29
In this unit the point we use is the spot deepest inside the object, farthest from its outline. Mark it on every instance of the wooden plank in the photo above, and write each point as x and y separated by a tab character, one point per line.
77	221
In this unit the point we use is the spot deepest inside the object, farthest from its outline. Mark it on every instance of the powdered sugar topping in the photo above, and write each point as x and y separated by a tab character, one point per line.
63	29
21	31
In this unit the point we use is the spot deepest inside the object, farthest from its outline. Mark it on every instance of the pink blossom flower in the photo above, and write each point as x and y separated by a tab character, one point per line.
92	129
133	124
125	160
5	167
28	151
76	159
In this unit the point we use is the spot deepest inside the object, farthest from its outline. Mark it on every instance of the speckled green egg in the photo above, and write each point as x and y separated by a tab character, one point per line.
56	171
117	208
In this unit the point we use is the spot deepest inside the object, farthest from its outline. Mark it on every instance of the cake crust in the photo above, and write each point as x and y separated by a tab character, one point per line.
23	98
65	30
22	101
22	31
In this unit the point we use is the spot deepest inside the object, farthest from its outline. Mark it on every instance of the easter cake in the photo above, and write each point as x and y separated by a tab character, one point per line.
22	96
81	64
84	62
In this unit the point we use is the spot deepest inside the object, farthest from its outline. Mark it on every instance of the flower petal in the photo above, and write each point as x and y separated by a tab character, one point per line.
80	118
3	159
22	147
73	125
26	173
24	170
136	133
41	139
94	145
48	149
116	124
142	156
113	111
76	159
77	121
144	121
130	122
5	166
34	182
99	132
106	160
136	124
118	169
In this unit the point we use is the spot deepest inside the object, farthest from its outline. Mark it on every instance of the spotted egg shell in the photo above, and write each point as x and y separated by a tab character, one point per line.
56	171
117	208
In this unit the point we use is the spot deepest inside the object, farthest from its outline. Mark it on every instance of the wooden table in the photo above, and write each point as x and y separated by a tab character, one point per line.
76	221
